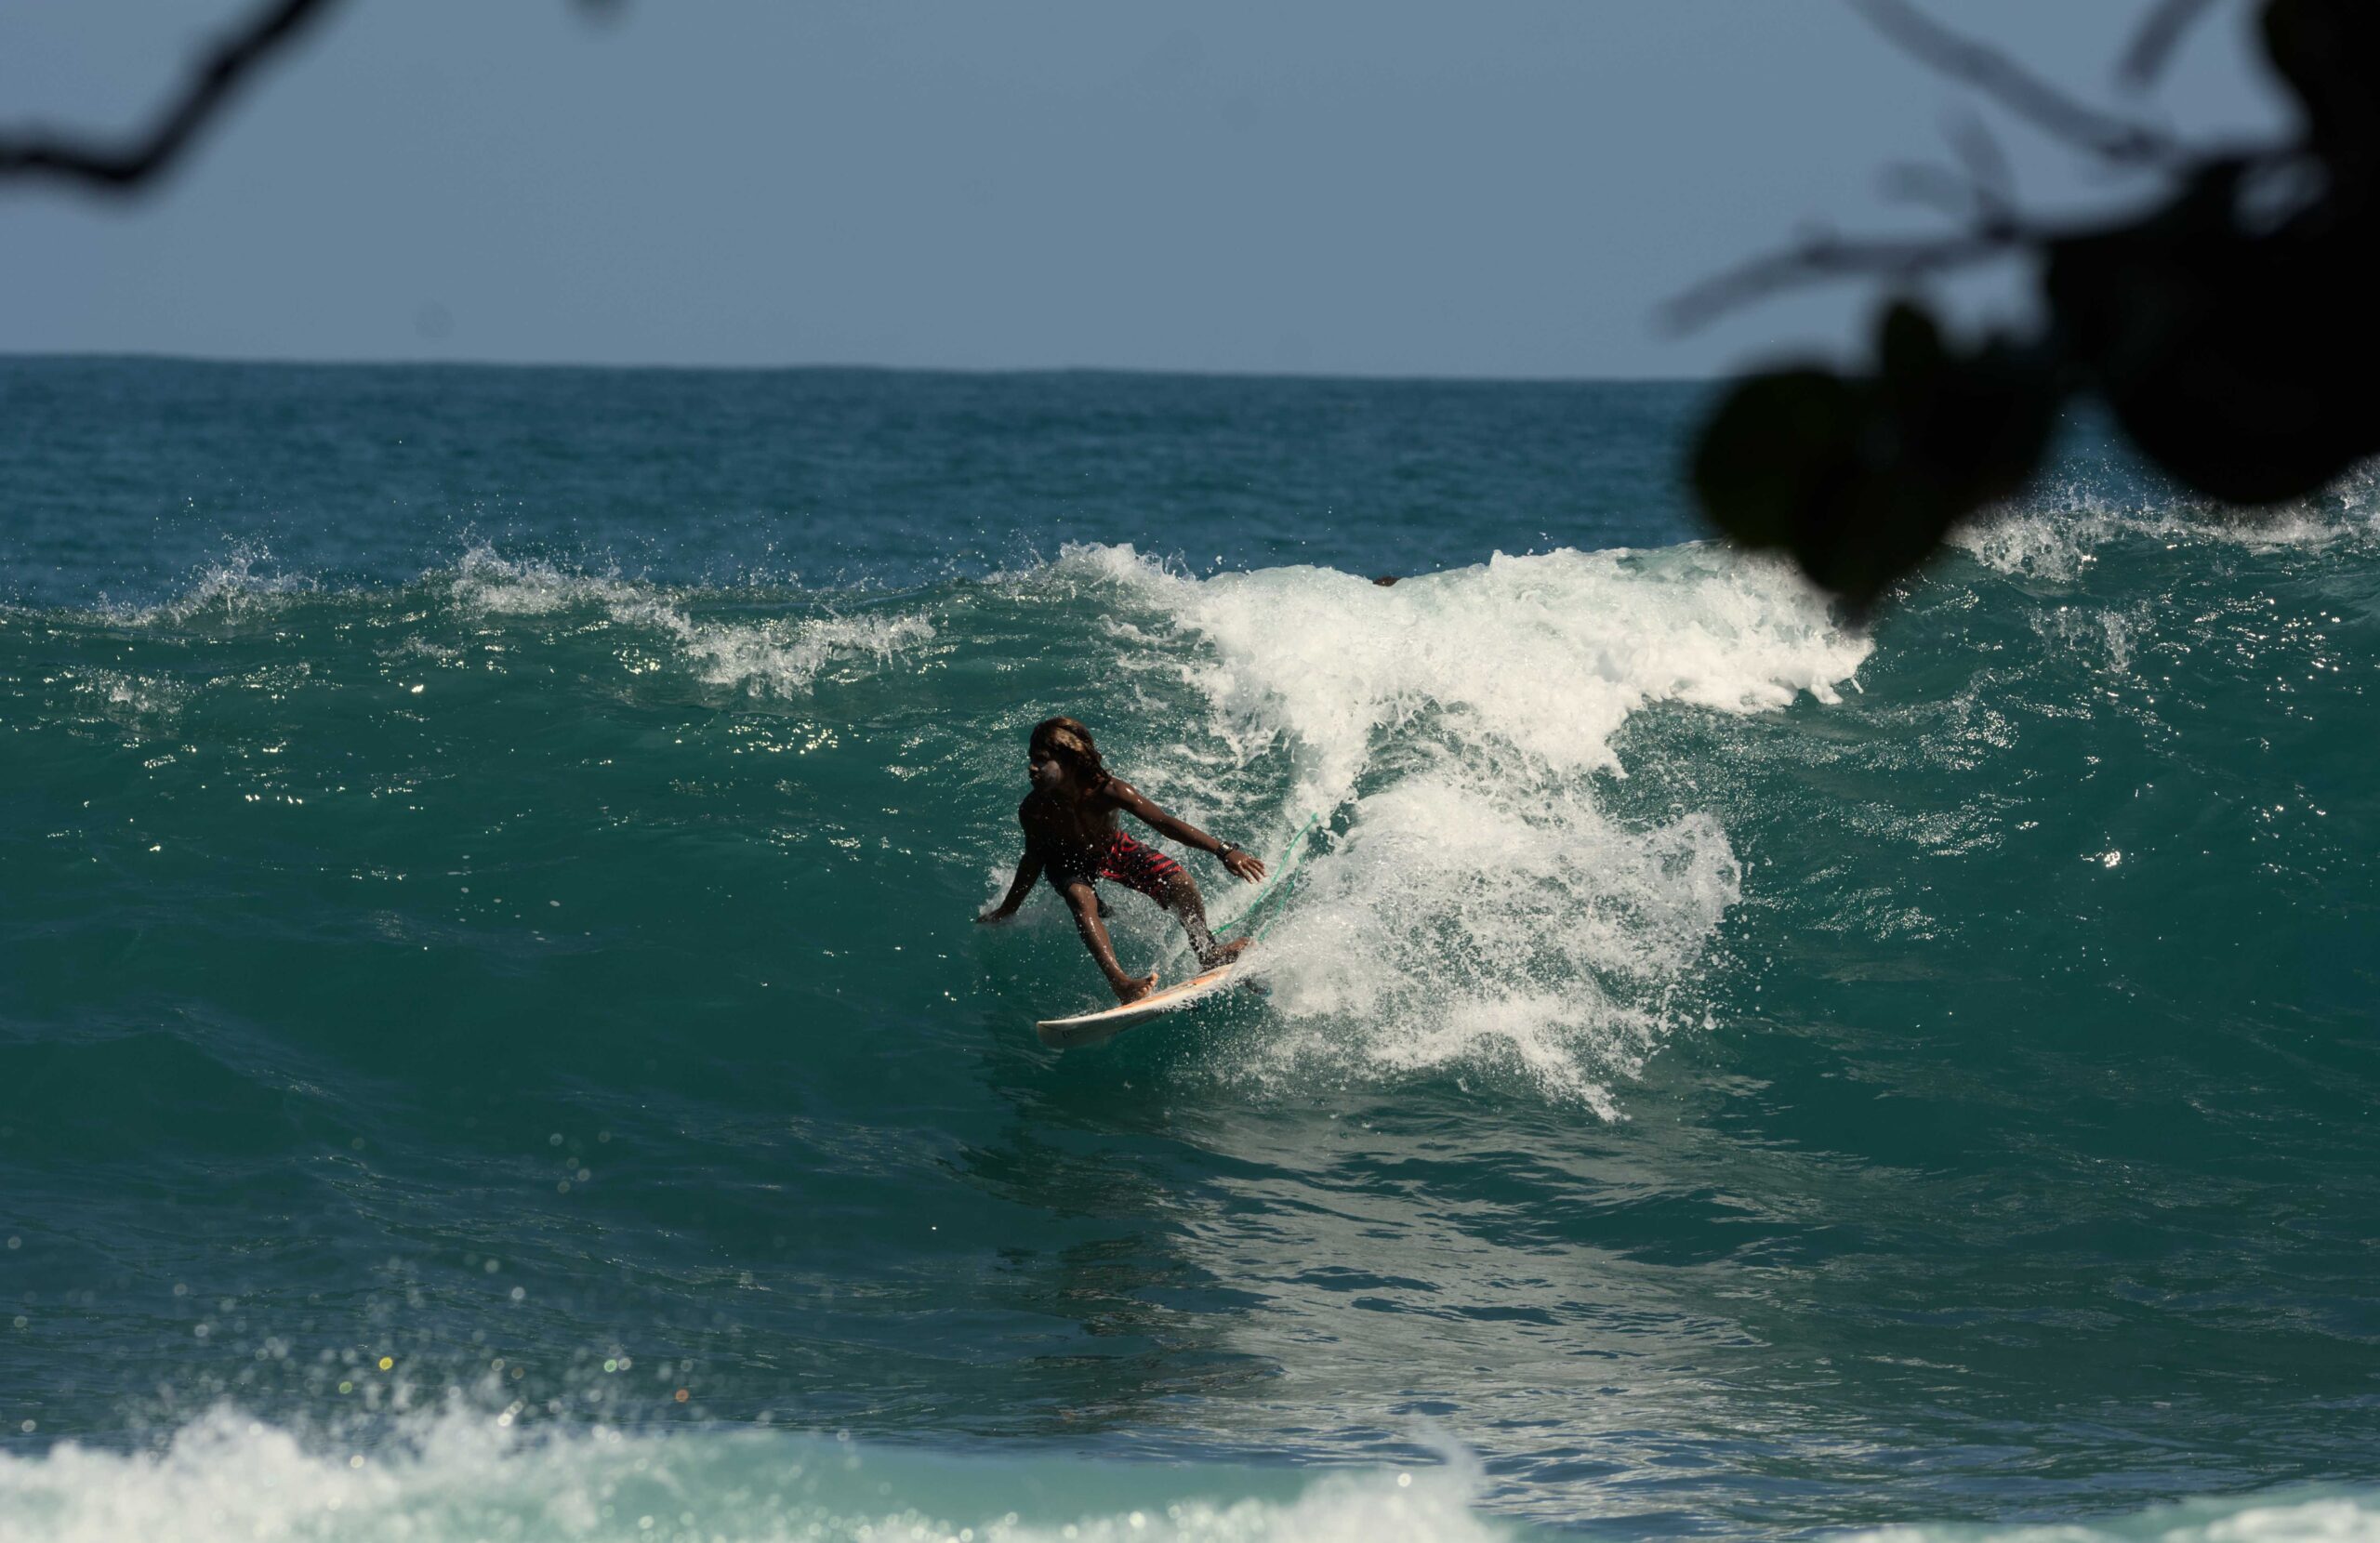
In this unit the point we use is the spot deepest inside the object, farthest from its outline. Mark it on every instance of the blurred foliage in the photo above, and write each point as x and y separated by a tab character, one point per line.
131	164
2232	332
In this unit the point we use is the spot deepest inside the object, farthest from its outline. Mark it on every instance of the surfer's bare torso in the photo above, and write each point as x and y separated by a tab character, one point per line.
1073	837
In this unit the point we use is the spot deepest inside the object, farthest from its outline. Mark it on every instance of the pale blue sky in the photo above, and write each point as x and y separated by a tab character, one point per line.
1323	186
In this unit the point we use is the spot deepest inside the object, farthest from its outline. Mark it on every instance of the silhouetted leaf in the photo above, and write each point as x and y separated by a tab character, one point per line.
2240	360
2328	52
1861	478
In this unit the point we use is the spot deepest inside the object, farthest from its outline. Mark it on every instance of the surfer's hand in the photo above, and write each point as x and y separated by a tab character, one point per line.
994	916
1245	866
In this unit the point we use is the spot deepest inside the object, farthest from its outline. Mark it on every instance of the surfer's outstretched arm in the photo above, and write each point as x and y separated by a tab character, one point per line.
1132	801
1028	872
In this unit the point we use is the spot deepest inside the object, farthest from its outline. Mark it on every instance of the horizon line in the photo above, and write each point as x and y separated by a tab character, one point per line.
1318	376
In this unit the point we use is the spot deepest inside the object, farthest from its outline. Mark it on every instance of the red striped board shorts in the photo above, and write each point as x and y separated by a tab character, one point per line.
1132	863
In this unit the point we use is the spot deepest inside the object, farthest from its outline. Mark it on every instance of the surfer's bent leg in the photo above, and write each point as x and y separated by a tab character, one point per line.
1082	899
1180	895
1167	883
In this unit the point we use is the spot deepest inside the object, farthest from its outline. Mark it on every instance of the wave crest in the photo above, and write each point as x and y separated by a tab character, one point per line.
776	655
1477	909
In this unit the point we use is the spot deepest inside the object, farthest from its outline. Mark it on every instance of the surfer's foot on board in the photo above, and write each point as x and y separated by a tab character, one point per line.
1226	953
1132	991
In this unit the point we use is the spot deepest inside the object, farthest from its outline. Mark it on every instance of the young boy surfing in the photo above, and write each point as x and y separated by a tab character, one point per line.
1071	835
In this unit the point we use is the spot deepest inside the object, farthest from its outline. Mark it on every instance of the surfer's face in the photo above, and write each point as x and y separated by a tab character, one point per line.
1049	773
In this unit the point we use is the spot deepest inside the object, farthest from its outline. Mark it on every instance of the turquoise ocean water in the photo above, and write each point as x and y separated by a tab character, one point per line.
494	1043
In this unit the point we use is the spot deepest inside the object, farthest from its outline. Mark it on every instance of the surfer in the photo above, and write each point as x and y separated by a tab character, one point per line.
1072	836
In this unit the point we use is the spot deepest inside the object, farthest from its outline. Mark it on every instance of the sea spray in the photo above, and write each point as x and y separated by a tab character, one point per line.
762	656
1477	908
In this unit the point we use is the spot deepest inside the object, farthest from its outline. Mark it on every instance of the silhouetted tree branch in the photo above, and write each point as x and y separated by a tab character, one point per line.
2018	89
123	168
2154	44
1986	164
1981	188
1900	260
2228	330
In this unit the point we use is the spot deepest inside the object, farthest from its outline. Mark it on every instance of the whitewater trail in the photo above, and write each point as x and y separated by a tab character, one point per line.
1476	910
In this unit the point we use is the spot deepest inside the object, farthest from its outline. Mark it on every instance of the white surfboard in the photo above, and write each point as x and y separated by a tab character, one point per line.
1090	1028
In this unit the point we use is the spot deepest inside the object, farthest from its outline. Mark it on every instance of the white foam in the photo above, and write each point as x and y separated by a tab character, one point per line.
2057	532
458	1475
1477	908
1344	1510
772	656
241	586
2300	1518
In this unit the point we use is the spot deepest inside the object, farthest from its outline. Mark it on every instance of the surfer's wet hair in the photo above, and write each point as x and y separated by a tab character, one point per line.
1071	743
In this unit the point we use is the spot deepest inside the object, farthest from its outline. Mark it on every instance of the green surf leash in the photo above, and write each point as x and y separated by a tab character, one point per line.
1292	853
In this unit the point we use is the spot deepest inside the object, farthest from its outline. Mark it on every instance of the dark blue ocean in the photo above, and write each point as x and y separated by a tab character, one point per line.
494	1044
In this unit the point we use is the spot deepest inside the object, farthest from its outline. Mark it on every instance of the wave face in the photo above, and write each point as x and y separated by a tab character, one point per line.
493	1039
